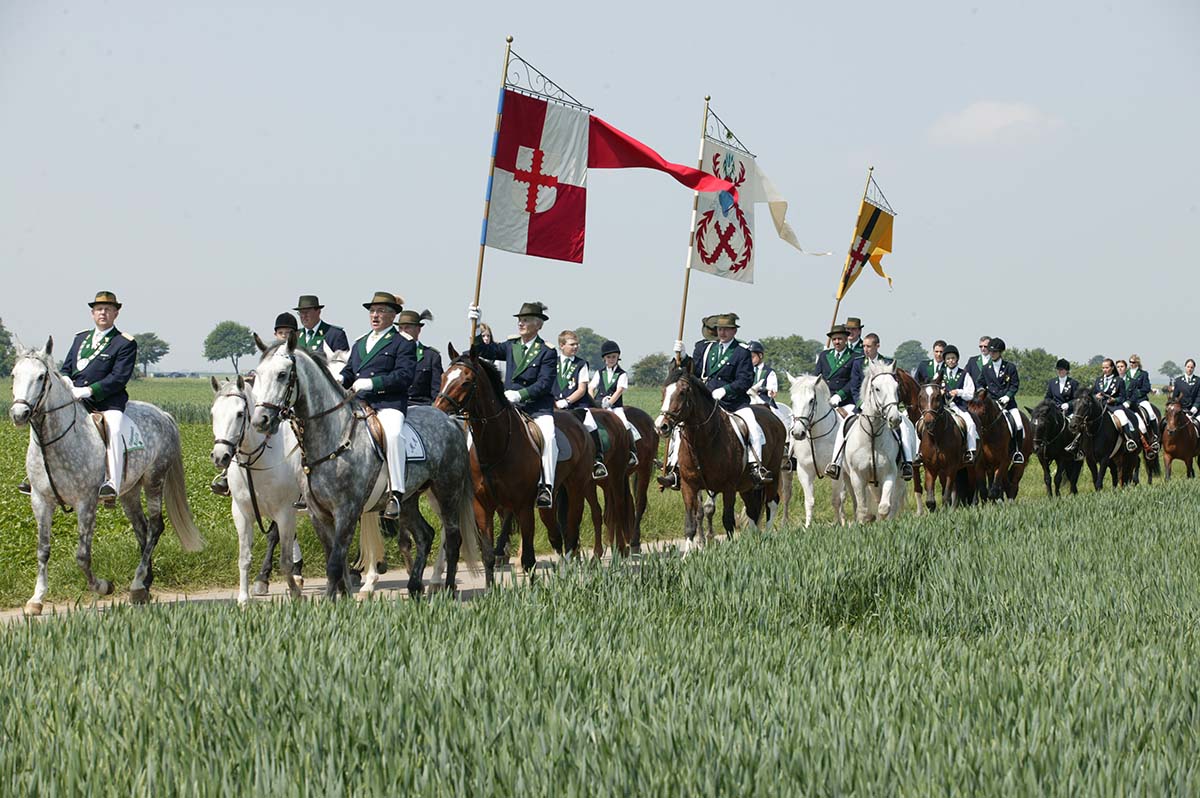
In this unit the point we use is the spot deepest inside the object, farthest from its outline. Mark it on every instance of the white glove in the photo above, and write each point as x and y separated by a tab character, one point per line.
1127	405
835	400
1065	406
606	402
362	385
1195	410
82	393
719	394
678	348
473	313
561	404
1004	400
512	396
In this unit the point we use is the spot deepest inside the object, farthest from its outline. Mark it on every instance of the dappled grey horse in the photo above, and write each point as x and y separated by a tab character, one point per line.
66	461
344	475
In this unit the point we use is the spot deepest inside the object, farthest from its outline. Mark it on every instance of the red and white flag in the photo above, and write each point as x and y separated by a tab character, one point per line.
538	194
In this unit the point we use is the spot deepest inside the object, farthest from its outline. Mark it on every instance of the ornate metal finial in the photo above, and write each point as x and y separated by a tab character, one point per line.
508	39
525	78
719	132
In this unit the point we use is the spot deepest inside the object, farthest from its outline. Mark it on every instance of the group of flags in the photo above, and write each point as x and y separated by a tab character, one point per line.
545	143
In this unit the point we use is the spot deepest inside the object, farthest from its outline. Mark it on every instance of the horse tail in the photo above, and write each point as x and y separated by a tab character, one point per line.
469	532
175	495
370	542
1152	465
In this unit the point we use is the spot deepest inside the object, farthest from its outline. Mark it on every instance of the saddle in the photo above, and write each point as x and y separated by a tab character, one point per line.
535	434
101	426
376	429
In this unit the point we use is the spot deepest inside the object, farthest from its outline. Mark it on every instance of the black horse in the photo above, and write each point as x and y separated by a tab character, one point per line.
1103	444
1050	439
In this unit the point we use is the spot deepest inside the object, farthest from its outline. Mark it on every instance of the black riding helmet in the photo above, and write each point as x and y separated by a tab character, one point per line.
996	345
950	349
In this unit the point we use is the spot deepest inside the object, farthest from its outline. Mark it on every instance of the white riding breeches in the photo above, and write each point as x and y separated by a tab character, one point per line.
673	448
115	453
1122	416
972	431
620	411
545	423
908	437
392	421
757	438
1015	415
589	421
1148	409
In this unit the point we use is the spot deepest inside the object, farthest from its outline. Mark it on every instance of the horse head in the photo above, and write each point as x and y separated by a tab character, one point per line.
881	392
931	400
33	377
685	399
1085	409
230	418
1174	418
469	384
809	401
276	384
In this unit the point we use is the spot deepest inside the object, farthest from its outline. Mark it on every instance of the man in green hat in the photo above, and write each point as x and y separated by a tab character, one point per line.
100	364
315	333
854	340
529	379
427	379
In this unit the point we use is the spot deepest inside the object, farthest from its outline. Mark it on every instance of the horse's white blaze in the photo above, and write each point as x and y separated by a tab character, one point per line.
452	375
666	405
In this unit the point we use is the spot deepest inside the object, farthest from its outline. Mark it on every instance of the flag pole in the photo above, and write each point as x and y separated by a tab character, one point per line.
853	235
487	200
687	267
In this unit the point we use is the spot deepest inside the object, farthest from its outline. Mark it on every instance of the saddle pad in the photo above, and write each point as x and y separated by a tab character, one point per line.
564	446
133	440
414	447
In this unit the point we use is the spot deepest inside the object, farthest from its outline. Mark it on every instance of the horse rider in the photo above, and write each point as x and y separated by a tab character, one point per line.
285	325
1137	399
1109	388
100	364
529	380
723	365
766	381
928	369
380	371
854	340
427	378
1187	389
975	364
1002	381
607	387
571	392
906	434
836	366
1061	389
315	333
960	388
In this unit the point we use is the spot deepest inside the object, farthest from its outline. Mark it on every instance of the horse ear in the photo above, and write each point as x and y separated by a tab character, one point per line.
291	341
686	364
453	352
49	346
241	383
1029	410
216	386
262	347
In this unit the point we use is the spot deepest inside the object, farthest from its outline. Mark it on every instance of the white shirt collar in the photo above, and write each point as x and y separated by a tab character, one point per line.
97	333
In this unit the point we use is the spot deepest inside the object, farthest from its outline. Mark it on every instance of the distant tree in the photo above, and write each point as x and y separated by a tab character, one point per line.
1036	366
150	349
229	340
1086	373
8	352
1169	369
909	354
792	353
651	370
590	342
1096	360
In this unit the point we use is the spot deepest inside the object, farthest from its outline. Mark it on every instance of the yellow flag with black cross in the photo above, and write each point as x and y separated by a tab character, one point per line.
872	239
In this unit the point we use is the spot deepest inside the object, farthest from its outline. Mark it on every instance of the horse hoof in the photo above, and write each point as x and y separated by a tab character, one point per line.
103	587
260	589
299	580
364	595
33	608
139	596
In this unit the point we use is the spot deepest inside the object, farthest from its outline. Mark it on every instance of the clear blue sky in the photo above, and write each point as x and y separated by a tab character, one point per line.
214	160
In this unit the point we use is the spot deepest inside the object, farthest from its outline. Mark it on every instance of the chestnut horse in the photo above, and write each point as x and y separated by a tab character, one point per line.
1180	440
909	389
712	458
995	470
506	464
618	504
943	444
643	473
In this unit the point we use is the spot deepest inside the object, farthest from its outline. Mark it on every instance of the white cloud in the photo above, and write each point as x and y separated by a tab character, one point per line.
989	122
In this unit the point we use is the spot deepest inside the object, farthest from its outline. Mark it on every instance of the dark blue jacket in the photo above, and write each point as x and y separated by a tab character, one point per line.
326	333
535	377
1115	394
1006	383
856	377
927	370
837	377
427	377
1137	389
1188	392
602	390
108	370
564	388
974	366
1054	394
390	366
734	372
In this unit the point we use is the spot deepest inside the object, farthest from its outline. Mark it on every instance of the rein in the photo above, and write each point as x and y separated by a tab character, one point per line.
250	458
36	412
677	419
809	425
478	423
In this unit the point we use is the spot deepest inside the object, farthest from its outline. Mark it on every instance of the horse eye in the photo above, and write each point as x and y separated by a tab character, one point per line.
240	413
281	377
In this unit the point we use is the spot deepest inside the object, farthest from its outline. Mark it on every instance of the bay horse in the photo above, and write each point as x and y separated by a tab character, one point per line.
872	448
943	444
909	389
506	462
814	426
1050	439
1180	440
618	503
344	477
1102	442
65	463
713	459
995	471
643	473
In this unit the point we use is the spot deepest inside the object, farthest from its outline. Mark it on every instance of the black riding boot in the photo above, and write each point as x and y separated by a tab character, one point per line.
220	484
392	510
599	471
545	497
669	478
24	488
1131	437
1018	441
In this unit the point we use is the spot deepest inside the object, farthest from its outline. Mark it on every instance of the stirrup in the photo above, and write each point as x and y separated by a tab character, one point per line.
906	472
392	511
760	473
1018	458
220	485
633	459
300	504
545	499
669	479
833	471
24	488
599	470
970	458
1130	445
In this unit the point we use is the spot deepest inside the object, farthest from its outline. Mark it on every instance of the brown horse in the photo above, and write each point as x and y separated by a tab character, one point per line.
506	462
618	504
995	470
643	473
943	444
909	390
712	458
1180	440
1102	441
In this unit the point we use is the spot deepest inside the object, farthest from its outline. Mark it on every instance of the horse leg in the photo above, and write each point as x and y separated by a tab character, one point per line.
709	508
43	511
640	487
1050	492
526	522
131	503
728	504
808	486
691	516
154	530
597	522
286	528
755	505
1188	462
555	521
85	522
263	580
930	497
507	519
886	497
423	538
573	517
245	533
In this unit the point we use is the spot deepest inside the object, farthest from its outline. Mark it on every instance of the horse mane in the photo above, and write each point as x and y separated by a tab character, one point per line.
317	357
489	370
684	371
1042	408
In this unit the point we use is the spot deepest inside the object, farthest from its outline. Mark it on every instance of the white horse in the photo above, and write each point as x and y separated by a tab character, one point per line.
872	448
65	463
813	430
